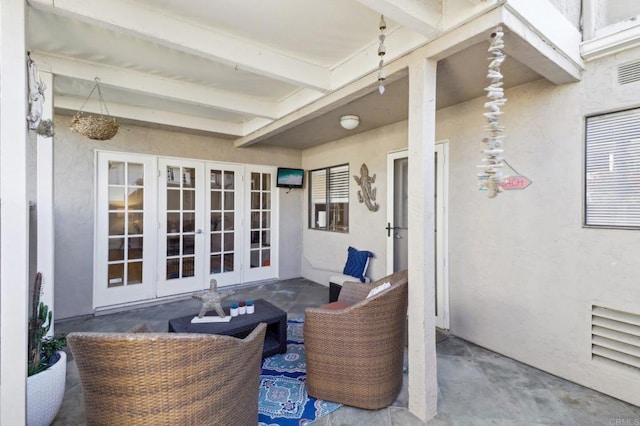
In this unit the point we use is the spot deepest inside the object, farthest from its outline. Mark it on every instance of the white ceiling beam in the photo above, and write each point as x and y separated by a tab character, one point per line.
297	100
162	29
422	16
70	103
158	87
399	43
255	124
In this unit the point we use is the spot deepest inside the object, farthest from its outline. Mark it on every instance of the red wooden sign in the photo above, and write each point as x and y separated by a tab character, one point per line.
518	182
510	183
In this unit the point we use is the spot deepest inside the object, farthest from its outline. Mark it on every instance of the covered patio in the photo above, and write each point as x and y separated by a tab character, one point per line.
239	89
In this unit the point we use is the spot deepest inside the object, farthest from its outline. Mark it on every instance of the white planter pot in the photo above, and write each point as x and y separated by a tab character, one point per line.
45	391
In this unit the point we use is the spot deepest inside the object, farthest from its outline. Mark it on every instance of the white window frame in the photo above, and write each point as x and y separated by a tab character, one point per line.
612	170
335	191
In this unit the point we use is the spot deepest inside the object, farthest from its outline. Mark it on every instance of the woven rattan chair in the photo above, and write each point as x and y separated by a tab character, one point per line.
355	354
169	378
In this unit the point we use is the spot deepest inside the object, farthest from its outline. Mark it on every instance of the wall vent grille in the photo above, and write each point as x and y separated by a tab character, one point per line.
629	73
615	337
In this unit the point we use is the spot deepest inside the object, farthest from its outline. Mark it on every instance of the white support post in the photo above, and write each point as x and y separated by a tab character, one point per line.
14	213
45	242
423	385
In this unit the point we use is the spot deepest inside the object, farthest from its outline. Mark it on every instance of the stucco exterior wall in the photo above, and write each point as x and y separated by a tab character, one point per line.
325	252
74	192
571	9
524	271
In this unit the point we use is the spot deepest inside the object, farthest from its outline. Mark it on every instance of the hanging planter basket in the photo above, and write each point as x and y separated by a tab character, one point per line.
98	127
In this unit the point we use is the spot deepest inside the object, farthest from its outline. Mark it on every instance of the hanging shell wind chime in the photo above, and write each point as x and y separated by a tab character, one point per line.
491	177
382	50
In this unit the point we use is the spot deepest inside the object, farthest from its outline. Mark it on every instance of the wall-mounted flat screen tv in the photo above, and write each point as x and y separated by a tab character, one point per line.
289	178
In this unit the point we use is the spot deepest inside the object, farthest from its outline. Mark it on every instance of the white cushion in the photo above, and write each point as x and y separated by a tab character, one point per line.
340	279
378	289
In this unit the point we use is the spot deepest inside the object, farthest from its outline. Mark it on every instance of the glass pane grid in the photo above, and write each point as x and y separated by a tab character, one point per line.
222	221
181	214
126	222
260	212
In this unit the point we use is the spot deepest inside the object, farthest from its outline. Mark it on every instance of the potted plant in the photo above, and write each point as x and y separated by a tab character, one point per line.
47	363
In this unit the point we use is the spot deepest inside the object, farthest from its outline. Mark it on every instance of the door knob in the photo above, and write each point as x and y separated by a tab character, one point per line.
198	231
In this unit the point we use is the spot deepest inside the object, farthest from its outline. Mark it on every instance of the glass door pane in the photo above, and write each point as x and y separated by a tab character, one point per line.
260	231
181	214
126	223
224	201
181	235
222	215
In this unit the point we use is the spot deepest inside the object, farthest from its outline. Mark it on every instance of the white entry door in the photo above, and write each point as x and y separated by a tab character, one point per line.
125	236
397	229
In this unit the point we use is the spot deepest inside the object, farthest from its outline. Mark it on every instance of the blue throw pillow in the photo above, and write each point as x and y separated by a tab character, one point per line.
357	262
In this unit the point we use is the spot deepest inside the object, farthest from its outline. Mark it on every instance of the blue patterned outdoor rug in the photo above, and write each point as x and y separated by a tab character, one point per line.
283	395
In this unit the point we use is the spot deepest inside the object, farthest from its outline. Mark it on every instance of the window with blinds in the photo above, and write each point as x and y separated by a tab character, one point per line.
612	169
329	198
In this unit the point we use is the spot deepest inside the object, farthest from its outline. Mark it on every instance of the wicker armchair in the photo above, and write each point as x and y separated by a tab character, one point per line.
169	378
355	354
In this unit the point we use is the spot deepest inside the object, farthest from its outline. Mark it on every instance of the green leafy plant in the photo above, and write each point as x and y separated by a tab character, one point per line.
41	348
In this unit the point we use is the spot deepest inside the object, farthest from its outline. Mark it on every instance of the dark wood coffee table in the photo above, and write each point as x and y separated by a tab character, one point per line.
275	341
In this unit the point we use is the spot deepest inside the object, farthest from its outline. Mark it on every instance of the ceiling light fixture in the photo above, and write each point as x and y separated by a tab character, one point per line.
382	50
349	122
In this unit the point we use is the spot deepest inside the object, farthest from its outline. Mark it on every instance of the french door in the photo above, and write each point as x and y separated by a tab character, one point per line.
125	236
201	215
260	258
179	225
181	220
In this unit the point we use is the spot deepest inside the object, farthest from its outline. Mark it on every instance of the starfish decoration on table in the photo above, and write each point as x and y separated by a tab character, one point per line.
211	300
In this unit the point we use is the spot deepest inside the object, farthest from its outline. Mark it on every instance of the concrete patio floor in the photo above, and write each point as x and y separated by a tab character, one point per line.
476	386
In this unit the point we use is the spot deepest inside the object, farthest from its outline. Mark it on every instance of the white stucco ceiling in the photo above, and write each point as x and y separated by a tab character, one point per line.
230	68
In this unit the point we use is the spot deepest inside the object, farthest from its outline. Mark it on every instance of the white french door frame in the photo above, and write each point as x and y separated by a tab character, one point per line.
442	205
262	272
167	286
236	276
102	294
155	285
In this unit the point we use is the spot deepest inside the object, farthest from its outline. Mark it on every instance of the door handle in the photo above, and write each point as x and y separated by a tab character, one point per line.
389	228
199	231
